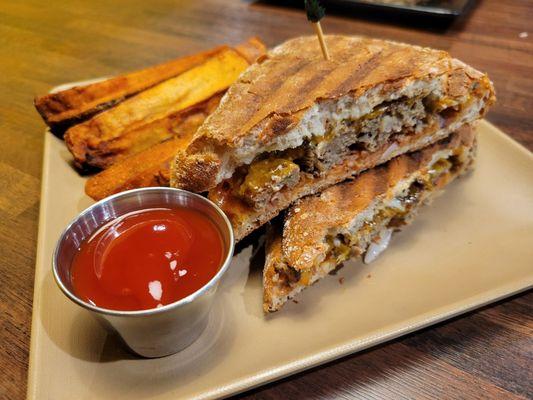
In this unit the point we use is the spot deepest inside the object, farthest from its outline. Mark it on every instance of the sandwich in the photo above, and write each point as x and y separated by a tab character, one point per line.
356	218
294	124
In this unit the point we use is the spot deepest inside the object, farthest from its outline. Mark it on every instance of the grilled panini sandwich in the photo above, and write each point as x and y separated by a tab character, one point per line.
294	124
356	218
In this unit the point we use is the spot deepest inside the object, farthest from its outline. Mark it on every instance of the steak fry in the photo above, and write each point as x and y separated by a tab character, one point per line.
141	121
151	167
68	107
181	123
148	168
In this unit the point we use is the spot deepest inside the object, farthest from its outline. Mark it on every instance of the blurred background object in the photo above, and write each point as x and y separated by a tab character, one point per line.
445	8
432	14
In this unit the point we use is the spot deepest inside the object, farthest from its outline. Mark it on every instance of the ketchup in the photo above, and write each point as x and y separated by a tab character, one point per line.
146	259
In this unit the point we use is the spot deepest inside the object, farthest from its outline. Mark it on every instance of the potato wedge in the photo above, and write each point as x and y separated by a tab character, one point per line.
92	143
67	107
151	167
148	168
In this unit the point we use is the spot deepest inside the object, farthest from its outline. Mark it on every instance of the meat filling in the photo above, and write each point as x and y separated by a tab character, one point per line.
259	182
265	178
367	133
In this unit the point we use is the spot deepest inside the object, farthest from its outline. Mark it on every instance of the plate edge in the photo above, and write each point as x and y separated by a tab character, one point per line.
351	347
39	259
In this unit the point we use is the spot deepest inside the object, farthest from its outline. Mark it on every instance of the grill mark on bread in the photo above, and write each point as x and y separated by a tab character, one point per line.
329	78
282	122
310	85
325	78
264	87
285	102
329	73
267	90
359	74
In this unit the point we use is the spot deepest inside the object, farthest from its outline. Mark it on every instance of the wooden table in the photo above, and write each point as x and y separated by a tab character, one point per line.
485	354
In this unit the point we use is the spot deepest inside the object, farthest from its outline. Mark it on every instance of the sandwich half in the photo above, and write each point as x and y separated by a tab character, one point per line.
294	124
356	218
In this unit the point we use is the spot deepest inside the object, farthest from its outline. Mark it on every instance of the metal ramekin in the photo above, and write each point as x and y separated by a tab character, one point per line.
155	332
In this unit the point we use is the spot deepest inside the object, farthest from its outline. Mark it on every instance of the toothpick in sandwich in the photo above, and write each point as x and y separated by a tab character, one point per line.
315	12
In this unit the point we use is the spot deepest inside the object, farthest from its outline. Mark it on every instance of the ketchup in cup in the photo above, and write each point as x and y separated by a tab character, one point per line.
146	259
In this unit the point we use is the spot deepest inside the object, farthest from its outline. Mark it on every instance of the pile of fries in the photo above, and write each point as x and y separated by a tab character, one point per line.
129	128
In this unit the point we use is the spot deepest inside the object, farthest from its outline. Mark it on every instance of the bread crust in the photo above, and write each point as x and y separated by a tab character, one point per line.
263	105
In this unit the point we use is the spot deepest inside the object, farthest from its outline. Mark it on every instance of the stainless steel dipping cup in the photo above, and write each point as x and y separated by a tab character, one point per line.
159	331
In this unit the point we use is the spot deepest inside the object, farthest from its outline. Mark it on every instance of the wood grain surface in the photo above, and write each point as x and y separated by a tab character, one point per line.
485	354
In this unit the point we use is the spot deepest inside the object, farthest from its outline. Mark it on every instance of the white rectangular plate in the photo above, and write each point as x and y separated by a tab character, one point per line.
472	246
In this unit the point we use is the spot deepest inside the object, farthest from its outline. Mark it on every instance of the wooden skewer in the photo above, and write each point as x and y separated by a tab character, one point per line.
323	46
